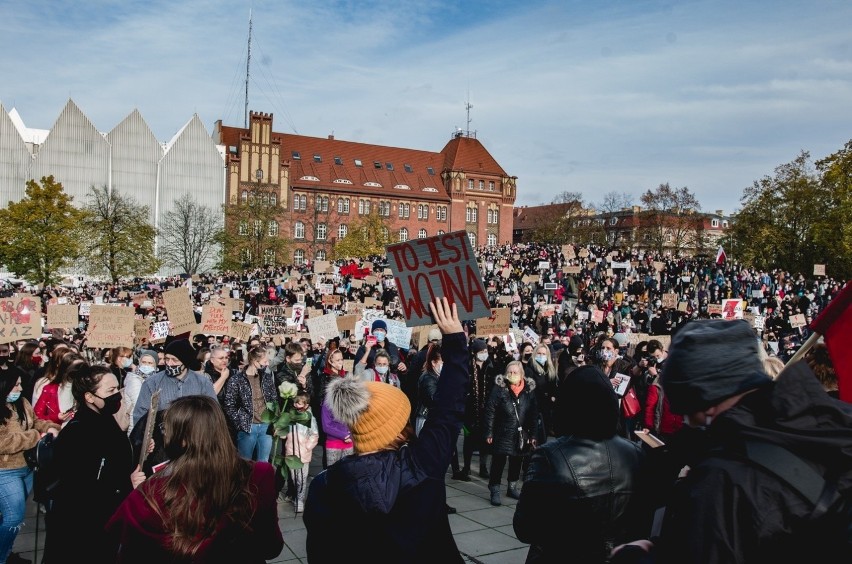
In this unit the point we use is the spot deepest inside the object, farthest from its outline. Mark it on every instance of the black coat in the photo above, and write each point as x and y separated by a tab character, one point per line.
501	423
478	392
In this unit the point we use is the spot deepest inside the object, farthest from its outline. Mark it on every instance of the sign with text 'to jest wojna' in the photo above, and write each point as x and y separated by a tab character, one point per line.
437	267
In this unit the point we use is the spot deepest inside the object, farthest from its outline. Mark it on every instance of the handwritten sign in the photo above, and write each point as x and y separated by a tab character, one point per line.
495	324
399	334
819	270
241	331
62	316
215	320
441	266
531	336
85	308
158	332
571	269
140	330
20	318
597	316
797	320
110	327
714	309
568	251
179	309
323	326
669	300
347	322
659	266
273	319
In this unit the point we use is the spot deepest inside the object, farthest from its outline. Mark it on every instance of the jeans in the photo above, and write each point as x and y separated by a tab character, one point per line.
15	486
257	444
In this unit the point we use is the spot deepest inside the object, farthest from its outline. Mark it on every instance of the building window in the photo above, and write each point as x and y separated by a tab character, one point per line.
258	227
317	158
298	230
407	168
430	171
385	233
377	164
472	237
492	239
273	199
320	254
613	220
338	161
272	230
421	234
470	184
245	255
299	257
343	205
441	213
403	234
441	232
358	162
342	231
725	223
490	185
715	223
324	204
482	185
297	156
423	211
384	208
389	166
322	231
244	196
243	230
269	256
470	214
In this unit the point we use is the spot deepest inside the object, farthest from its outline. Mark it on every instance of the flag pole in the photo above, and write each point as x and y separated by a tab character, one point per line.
803	350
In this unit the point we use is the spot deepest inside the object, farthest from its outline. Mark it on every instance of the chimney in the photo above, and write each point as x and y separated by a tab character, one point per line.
331	137
720	212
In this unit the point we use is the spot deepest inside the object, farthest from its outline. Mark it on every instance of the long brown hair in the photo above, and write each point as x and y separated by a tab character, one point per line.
51	371
206	482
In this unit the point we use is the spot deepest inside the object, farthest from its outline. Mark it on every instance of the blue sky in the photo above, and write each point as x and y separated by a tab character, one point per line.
594	96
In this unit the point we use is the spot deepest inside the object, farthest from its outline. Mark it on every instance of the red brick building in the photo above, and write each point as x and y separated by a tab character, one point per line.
326	184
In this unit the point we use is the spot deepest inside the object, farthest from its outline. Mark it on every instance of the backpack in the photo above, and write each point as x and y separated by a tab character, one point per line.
45	475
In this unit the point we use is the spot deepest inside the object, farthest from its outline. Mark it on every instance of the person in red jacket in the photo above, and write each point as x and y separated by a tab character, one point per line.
657	417
207	505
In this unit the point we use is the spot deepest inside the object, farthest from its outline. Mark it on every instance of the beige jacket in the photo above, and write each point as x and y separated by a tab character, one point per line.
15	438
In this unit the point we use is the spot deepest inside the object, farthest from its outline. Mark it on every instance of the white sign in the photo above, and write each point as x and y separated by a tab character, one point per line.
399	334
531	336
543	265
159	330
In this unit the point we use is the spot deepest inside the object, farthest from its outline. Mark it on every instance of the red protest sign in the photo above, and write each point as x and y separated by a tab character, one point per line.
441	266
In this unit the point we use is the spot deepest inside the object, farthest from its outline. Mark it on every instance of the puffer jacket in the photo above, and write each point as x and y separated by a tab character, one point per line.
501	423
592	482
238	400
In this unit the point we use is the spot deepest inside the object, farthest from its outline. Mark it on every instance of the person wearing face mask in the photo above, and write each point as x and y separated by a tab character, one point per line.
146	366
482	375
96	470
380	372
379	330
768	461
19	430
208	504
246	396
121	363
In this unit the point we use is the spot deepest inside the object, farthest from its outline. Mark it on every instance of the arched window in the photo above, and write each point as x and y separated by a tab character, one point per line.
273	199
421	234
342	231
441	232
299	257
322	232
492	239
472	237
273	229
403	234
299	230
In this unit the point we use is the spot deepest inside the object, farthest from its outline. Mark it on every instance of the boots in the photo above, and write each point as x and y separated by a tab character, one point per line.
512	491
495	495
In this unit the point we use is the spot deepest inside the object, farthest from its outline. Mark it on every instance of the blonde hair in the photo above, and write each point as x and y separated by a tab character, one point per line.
773	366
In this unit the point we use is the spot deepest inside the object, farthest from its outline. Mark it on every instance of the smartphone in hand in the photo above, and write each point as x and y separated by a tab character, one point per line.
372	340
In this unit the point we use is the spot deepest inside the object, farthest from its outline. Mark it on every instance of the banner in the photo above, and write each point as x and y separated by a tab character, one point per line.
215	320
62	316
20	318
110	327
180	312
436	267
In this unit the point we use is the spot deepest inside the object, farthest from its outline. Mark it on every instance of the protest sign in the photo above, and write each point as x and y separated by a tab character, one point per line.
365	323
110	327
550	285
323	326
140	330
568	251
544	265
372	303
324	288
20	318
757	293
759	322
331	299
582	315
571	269
597	316
669	300
531	336
180	312
158	332
510	341
584	253
241	331
615	265
399	334
659	266
505	300
356	283
215	320
85	308
732	309
495	324
714	309
797	320
819	270
62	316
347	322
682	306
273	319
423	335
505	273
436	267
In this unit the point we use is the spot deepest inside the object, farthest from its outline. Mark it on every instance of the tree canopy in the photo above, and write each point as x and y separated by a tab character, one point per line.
41	232
367	236
188	235
669	218
251	236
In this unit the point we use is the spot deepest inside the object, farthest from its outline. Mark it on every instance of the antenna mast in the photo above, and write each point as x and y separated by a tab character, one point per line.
468	106
248	66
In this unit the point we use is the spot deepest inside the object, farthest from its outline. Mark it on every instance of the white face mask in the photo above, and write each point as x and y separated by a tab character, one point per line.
382	369
482	356
147	369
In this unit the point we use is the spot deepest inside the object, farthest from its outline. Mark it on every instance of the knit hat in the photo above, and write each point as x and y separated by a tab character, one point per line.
435	334
152	354
710	361
379	324
183	351
375	412
586	405
478	345
575	343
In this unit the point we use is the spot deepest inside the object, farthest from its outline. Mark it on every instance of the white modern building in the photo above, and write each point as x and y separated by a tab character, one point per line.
127	159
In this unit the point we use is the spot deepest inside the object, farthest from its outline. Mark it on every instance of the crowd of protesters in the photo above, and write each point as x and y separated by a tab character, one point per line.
575	314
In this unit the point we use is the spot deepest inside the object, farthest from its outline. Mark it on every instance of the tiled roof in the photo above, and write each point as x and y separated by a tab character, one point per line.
469	155
532	217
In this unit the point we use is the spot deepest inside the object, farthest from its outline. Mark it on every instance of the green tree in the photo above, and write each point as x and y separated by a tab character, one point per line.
40	232
119	239
833	232
188	235
669	219
251	237
367	236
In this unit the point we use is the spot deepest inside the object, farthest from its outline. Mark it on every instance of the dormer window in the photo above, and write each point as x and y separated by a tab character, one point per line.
297	156
317	158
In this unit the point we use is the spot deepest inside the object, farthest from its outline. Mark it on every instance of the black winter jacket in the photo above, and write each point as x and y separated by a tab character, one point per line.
501	422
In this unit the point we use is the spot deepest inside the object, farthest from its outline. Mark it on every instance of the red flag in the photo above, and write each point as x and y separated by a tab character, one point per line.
720	255
835	325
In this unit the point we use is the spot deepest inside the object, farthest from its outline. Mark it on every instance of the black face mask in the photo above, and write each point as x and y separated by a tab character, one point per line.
111	404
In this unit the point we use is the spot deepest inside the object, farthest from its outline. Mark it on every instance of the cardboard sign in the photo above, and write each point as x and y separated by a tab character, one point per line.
331	300
597	316
714	309
110	327
62	316
497	323
215	320
797	320
568	251
20	318
324	289
372	303
544	265
682	306
323	326
234	304
584	253
180	312
669	300
732	309
241	331
347	322
819	270
356	283
441	266
399	334
505	273
273	319
571	269
423	335
85	308
504	300
659	266
140	330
